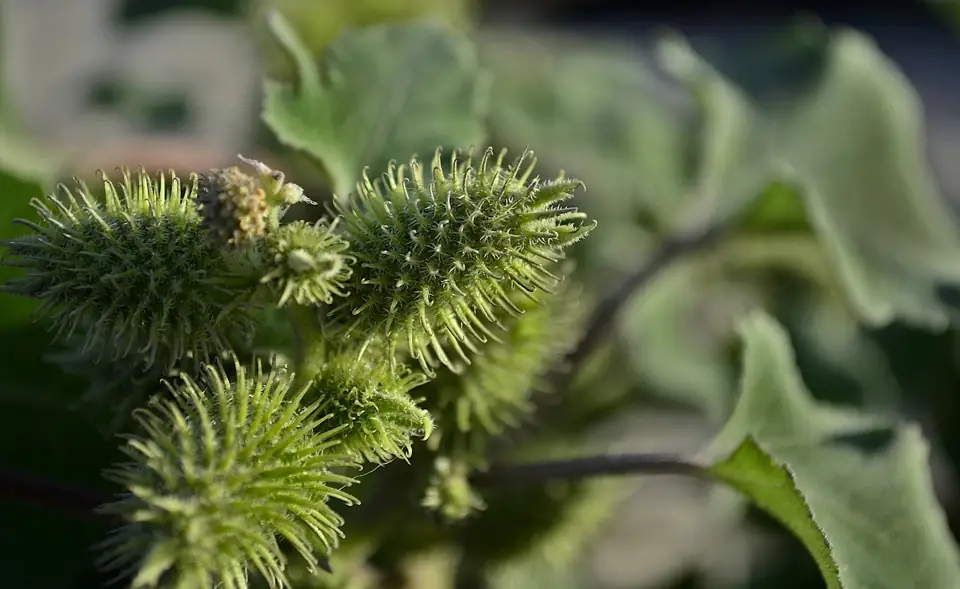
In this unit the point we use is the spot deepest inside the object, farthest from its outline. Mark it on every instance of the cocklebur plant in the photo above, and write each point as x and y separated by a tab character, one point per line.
438	255
224	469
134	273
350	389
168	277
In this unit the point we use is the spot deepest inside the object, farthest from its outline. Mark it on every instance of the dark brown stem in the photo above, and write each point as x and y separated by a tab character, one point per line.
24	489
532	473
606	312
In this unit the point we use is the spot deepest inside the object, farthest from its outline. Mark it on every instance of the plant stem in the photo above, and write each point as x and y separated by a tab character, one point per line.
606	312
579	468
310	344
21	488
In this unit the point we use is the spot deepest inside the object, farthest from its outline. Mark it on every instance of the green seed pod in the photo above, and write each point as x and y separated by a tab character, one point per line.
436	259
495	391
219	472
449	492
306	263
135	273
370	401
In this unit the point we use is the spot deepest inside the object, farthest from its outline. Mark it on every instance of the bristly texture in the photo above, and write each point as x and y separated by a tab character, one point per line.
306	263
134	271
234	206
222	471
371	402
494	392
437	256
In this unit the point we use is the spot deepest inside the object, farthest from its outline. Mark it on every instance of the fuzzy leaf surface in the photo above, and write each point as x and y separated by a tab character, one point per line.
857	150
854	151
855	490
385	92
850	207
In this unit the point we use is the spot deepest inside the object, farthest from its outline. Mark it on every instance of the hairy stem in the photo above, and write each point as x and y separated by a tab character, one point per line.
310	344
606	312
580	468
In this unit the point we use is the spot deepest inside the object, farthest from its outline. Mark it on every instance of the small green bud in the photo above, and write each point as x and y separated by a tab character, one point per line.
306	263
449	491
437	257
219	472
278	191
134	273
371	402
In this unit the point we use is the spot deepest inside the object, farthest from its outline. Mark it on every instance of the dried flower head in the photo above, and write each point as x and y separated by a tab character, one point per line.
436	257
234	206
134	271
279	192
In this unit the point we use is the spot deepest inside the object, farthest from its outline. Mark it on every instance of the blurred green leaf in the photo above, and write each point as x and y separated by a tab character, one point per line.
386	92
854	150
733	151
679	334
592	107
855	490
850	207
319	23
847	161
857	151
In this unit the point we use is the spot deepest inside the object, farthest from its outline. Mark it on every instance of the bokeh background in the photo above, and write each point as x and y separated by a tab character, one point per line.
176	84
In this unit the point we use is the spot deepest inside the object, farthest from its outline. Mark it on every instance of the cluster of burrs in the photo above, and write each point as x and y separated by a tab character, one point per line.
444	279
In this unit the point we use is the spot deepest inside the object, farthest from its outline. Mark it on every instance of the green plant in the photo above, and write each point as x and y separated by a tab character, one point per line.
408	367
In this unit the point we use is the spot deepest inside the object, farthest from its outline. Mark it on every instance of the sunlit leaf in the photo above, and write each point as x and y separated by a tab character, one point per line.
856	490
386	92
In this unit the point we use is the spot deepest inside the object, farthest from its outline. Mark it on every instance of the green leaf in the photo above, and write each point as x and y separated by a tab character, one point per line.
857	150
853	151
679	334
731	147
848	160
593	108
854	489
385	92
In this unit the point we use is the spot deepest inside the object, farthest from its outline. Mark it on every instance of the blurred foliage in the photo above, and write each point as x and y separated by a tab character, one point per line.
362	113
837	230
319	23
